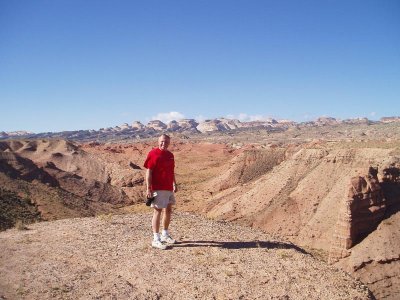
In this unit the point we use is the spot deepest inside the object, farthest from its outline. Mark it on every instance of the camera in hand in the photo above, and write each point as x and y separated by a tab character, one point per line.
149	200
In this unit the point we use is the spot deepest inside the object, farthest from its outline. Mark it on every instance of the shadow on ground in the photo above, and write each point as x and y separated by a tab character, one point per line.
240	245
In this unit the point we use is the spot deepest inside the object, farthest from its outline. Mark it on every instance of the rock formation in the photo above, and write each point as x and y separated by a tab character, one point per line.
322	121
390	119
173	126
156	125
138	131
208	125
125	126
391	187
184	125
367	239
220	124
356	121
188	123
137	125
360	214
231	124
302	198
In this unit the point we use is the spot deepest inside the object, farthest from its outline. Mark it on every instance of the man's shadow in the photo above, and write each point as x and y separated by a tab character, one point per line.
240	245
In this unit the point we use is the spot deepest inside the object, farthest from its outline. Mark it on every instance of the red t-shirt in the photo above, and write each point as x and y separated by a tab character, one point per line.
162	163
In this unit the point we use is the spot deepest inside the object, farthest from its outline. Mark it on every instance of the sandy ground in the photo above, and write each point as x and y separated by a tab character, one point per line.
110	257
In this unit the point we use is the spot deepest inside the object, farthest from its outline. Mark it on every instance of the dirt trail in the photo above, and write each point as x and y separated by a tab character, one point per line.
109	257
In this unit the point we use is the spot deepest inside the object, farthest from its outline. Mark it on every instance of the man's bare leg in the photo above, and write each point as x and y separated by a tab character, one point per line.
155	223
167	216
165	236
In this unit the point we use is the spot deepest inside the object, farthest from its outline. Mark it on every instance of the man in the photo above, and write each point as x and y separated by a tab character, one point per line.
160	182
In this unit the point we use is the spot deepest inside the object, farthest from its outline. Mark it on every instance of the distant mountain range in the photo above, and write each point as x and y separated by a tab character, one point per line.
138	130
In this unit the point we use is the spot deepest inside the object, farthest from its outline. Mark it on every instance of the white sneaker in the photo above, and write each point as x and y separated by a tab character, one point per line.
167	239
158	244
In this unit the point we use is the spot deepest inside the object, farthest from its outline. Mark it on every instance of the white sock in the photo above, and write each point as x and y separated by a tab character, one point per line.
156	236
165	232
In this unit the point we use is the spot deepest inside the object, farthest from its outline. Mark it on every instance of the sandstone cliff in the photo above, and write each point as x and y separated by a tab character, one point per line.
367	236
302	197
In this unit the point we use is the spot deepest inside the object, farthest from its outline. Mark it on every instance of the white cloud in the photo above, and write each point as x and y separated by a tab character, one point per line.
168	117
248	118
200	118
372	114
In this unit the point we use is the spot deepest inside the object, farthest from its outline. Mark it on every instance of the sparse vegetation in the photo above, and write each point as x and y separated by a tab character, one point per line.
285	254
16	211
105	217
19	225
318	253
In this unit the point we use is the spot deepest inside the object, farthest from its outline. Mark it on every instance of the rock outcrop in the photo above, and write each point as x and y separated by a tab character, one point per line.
301	197
220	124
156	125
376	260
360	214
366	240
137	125
139	131
173	126
356	121
189	123
15	133
322	121
125	126
184	125
390	119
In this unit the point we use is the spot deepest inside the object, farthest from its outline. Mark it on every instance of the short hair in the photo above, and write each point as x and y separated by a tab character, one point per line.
165	135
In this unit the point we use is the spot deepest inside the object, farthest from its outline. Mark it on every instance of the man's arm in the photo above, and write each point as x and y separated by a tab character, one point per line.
149	174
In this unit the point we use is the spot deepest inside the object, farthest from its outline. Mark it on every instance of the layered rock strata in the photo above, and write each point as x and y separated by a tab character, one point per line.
157	125
361	213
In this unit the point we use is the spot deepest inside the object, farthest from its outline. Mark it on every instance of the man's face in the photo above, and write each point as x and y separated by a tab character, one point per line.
163	143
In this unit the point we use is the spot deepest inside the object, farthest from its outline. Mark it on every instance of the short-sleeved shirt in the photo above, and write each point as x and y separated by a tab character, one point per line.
162	164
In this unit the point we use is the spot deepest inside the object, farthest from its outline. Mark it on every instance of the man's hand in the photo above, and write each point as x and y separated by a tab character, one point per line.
175	188
149	193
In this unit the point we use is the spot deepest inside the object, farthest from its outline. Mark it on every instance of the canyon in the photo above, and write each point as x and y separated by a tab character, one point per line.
332	188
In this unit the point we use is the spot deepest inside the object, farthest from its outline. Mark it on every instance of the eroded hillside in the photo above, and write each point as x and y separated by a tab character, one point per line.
297	190
302	198
61	180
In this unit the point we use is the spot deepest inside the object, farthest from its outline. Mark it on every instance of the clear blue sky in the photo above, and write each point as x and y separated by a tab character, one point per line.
69	64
